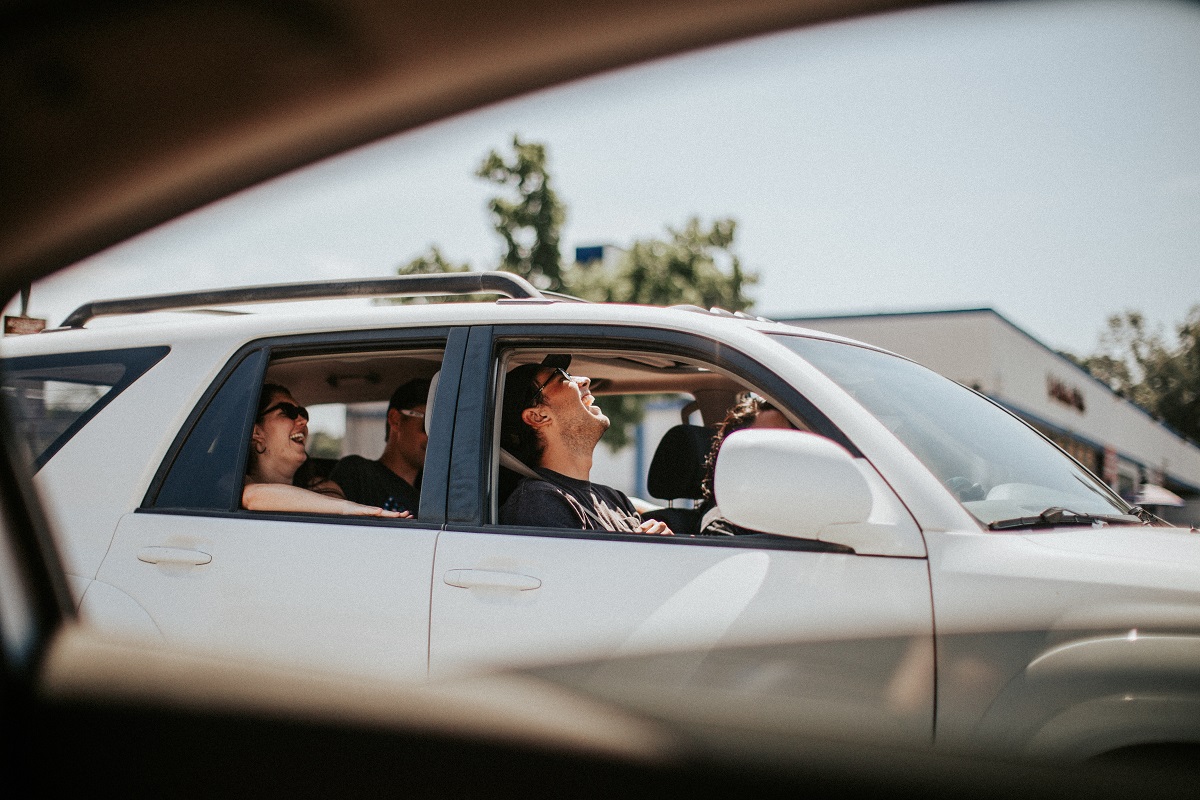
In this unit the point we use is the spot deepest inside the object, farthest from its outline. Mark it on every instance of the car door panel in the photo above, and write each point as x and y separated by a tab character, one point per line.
813	618
325	594
335	592
813	627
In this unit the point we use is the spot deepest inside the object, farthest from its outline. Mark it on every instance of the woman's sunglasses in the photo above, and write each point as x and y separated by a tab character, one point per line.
289	410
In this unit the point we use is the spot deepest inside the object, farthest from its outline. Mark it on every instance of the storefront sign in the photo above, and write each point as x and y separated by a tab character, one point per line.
1067	395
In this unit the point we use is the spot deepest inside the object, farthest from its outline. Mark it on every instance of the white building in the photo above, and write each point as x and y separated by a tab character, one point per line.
980	348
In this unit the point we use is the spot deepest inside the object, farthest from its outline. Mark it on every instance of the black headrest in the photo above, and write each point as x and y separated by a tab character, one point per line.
677	469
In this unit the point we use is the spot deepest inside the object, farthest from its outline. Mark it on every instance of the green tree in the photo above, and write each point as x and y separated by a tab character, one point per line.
531	220
1142	366
324	445
695	265
433	263
1174	379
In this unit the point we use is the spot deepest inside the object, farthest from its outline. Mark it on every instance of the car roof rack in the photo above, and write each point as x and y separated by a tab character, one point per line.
502	283
717	311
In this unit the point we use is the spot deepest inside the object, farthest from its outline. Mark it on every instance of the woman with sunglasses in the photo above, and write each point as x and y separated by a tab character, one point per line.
277	451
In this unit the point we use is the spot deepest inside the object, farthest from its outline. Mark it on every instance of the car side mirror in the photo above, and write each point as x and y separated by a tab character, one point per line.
789	483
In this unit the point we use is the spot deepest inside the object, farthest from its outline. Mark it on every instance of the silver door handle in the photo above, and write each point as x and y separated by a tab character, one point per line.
488	579
173	555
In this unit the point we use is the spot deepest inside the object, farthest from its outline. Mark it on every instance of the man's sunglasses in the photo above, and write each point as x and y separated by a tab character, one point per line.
559	372
289	410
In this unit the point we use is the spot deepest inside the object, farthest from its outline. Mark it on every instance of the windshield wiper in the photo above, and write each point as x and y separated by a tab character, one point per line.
1147	518
1055	516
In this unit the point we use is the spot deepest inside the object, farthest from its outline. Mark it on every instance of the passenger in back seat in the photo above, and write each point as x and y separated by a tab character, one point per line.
277	449
394	480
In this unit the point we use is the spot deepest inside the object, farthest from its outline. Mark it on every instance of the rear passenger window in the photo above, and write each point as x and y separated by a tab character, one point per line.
204	473
343	394
48	399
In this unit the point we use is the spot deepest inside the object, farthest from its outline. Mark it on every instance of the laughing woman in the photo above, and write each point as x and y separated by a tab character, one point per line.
277	452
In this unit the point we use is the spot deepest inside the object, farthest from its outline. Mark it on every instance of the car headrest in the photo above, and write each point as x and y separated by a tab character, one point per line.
677	469
433	382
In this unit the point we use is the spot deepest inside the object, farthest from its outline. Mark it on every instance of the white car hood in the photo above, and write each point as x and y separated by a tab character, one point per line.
1168	546
1139	576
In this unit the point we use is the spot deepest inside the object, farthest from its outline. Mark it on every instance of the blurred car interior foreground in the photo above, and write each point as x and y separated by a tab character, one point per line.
123	115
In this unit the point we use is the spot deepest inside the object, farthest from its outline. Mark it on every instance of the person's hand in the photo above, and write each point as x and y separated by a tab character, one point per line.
358	509
655	526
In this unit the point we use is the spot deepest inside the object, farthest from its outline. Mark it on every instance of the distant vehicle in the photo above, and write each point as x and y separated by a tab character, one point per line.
917	560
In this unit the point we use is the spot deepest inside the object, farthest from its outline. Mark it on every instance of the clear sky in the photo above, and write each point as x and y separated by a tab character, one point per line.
1042	159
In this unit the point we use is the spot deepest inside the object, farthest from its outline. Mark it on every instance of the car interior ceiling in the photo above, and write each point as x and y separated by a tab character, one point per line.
352	377
372	376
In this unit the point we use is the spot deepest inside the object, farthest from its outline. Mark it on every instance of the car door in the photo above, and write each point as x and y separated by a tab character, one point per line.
822	631
342	592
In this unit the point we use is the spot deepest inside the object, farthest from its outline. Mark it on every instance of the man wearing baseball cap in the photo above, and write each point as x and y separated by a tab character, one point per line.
551	423
392	482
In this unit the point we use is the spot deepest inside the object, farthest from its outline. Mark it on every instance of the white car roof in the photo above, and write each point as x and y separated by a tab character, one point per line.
319	316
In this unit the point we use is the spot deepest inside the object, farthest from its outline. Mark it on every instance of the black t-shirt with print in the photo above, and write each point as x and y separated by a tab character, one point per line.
373	484
561	502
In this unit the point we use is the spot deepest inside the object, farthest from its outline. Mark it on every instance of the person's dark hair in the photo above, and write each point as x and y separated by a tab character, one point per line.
269	390
407	395
520	386
742	415
410	394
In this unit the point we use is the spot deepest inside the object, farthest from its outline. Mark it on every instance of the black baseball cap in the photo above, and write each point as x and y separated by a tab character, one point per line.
519	388
410	395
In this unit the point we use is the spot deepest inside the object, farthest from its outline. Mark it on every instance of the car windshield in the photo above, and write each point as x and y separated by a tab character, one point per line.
998	467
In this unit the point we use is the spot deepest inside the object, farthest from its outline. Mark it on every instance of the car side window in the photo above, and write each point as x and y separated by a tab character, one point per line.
204	474
50	398
662	414
331	414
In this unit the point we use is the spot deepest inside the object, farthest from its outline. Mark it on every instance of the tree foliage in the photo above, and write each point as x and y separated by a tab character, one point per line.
530	221
433	263
693	265
1143	366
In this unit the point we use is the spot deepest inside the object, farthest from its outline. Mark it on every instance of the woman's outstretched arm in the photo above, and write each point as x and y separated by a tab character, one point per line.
284	497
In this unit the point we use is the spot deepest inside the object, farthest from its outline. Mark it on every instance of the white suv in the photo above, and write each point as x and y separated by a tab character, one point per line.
926	564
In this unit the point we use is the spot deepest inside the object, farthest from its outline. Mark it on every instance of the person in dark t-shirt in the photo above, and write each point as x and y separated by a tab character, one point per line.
394	480
552	423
